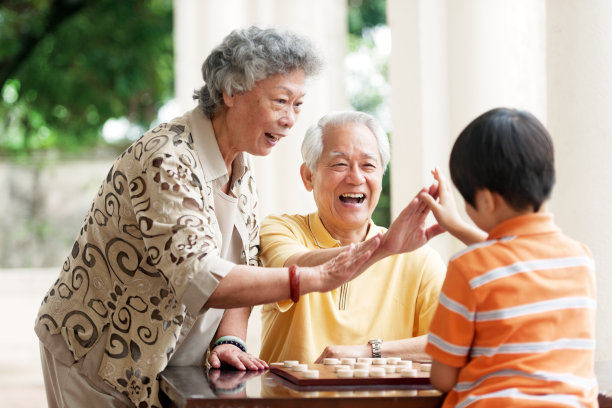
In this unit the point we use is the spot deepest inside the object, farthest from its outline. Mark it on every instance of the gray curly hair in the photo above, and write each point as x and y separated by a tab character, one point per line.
249	55
312	145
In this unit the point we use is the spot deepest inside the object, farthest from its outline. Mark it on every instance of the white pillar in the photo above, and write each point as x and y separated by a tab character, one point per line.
419	99
200	25
579	120
451	61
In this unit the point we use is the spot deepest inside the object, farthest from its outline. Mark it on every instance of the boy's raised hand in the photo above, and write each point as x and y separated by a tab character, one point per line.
446	213
409	230
444	209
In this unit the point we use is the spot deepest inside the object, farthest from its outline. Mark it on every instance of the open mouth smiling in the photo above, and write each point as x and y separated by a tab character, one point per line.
352	198
273	138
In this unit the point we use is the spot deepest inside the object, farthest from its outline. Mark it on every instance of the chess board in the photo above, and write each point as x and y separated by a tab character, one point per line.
328	377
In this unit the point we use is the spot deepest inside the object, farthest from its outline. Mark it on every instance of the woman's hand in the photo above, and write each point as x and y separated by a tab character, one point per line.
364	350
231	355
344	267
230	384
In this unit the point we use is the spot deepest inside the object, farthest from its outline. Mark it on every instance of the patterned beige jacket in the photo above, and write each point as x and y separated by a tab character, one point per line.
145	260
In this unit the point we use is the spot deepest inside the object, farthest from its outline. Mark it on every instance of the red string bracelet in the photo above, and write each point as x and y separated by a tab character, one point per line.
294	283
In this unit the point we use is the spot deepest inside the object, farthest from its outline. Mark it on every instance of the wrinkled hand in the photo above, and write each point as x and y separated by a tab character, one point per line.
444	209
231	355
364	350
346	265
409	231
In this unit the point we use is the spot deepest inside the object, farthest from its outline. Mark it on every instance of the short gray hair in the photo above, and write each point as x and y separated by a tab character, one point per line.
312	145
249	55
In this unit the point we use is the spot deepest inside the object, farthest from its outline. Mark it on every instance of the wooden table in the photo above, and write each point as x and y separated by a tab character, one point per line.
190	387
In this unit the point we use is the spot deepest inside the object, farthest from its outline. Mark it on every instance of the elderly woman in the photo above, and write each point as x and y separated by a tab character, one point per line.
386	310
171	239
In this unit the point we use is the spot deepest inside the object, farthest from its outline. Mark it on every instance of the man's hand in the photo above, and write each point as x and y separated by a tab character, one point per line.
409	231
231	355
364	350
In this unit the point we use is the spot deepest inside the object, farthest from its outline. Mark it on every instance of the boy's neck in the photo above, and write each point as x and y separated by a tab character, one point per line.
497	210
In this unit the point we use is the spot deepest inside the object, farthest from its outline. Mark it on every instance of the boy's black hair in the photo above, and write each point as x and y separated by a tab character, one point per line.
506	151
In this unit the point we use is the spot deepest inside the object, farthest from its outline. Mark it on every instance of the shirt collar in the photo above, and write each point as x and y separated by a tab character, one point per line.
322	236
207	148
528	224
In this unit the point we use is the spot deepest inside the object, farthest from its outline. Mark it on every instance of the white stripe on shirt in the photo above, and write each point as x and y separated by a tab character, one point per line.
535	347
448	347
528	266
481	245
570	379
537	307
456	307
563	399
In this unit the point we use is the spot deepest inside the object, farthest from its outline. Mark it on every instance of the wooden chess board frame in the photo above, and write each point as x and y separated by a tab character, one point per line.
328	377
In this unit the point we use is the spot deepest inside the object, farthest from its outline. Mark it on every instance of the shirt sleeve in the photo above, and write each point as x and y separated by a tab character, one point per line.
279	240
433	272
452	328
178	225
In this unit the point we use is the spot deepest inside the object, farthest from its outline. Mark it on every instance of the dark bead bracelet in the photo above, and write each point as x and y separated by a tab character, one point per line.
232	342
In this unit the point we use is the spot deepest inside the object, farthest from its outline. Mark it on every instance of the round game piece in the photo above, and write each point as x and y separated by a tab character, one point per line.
348	360
339	367
425	367
405	363
360	373
408	372
365	360
310	374
362	366
389	368
290	363
377	372
379	361
299	367
331	361
277	364
345	373
393	360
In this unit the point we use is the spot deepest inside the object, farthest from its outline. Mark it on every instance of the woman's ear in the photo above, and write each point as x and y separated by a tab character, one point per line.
306	176
228	100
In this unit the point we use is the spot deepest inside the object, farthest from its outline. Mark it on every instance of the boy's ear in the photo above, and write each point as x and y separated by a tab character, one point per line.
487	200
306	176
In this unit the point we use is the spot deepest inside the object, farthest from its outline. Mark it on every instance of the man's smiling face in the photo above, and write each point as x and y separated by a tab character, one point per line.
347	180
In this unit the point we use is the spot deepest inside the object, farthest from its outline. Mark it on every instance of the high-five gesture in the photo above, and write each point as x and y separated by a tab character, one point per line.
445	211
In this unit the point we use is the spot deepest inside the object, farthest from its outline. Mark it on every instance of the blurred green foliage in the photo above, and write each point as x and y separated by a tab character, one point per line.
66	66
365	14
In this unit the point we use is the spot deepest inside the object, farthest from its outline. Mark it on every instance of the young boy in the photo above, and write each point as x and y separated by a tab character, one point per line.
515	321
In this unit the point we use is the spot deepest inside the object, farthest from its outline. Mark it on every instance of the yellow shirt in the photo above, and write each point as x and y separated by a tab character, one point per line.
394	299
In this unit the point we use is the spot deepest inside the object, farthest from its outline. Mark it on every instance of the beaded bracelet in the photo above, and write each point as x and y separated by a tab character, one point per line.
233	340
294	283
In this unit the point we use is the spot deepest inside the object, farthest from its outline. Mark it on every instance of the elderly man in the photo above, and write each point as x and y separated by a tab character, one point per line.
386	311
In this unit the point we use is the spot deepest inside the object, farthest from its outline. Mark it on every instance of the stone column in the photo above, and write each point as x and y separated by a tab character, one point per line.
450	62
579	120
201	24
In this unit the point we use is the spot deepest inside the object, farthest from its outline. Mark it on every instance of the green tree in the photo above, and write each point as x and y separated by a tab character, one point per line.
66	66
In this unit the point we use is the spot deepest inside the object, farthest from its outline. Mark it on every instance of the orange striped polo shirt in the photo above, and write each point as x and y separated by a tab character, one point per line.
517	315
